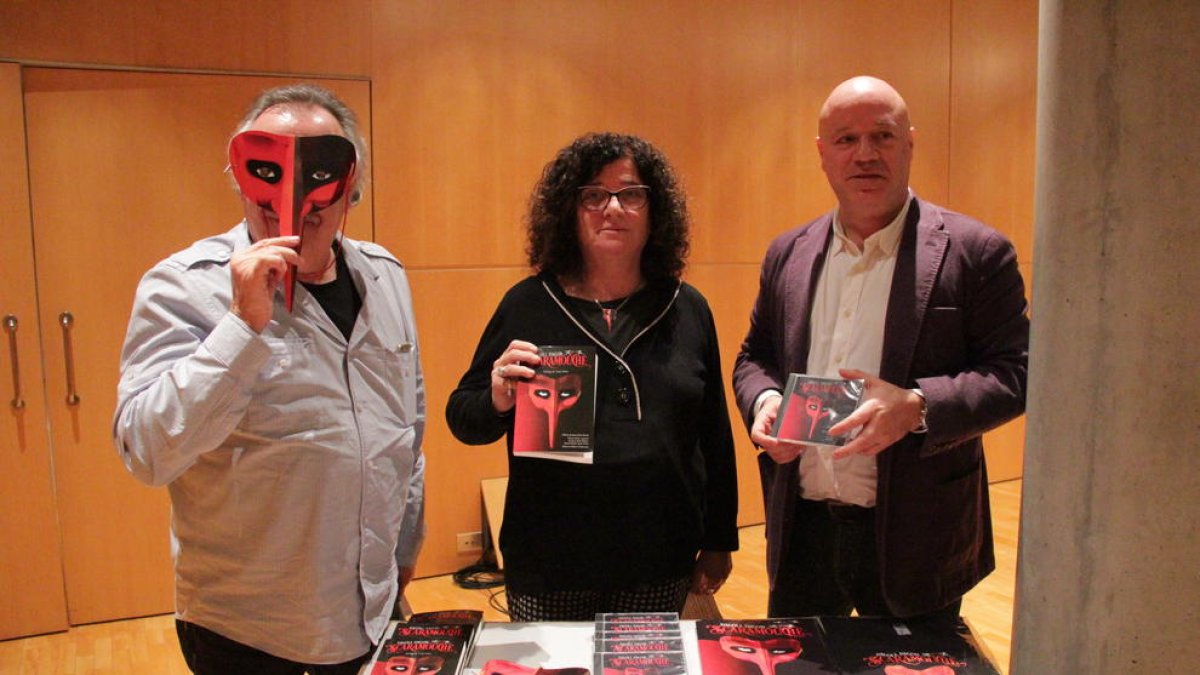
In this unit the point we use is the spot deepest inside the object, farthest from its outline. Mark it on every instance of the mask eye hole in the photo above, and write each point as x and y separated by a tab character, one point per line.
321	175
268	172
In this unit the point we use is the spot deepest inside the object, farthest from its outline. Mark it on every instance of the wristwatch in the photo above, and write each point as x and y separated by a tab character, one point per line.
921	427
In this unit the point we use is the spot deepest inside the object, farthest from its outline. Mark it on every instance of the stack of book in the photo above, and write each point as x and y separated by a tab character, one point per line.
639	643
429	643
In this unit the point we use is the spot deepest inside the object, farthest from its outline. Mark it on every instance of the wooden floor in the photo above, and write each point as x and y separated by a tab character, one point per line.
149	646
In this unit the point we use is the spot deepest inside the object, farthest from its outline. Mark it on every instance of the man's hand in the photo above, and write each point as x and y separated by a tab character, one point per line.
405	576
255	273
780	450
711	570
886	414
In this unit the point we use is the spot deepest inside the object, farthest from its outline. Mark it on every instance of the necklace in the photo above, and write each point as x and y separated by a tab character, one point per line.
609	312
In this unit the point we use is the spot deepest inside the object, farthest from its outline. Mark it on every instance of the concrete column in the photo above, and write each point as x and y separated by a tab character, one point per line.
1108	577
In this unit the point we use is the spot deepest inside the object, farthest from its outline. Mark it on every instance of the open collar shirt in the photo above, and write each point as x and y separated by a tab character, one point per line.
847	320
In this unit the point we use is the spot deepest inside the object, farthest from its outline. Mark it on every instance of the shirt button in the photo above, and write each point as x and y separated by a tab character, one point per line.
623	396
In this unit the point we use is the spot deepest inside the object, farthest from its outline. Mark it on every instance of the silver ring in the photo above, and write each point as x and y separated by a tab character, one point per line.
502	370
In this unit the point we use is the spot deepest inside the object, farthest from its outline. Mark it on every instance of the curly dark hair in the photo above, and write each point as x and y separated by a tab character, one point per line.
553	227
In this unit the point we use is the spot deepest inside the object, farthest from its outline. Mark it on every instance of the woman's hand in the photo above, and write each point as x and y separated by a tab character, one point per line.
514	364
711	570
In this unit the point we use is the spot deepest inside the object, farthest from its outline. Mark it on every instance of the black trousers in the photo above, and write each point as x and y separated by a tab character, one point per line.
832	566
208	653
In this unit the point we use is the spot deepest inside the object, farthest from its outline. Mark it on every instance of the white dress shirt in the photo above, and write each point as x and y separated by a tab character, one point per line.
846	323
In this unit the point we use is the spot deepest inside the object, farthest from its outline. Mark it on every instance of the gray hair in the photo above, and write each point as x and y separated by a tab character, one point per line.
306	94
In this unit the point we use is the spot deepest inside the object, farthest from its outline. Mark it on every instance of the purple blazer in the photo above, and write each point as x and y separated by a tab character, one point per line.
957	328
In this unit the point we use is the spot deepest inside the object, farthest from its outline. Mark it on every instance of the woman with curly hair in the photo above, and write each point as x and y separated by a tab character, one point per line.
654	515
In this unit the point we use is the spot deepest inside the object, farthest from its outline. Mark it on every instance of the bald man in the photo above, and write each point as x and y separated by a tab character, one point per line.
928	306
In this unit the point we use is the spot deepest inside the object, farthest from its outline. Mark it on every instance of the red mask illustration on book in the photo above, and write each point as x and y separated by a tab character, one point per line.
552	396
291	176
766	654
412	665
816	412
904	670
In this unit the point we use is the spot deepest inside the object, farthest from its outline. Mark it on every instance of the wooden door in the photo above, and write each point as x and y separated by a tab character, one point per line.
31	581
125	168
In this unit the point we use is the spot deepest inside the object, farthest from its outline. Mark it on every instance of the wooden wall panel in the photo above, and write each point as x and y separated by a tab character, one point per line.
730	290
452	307
757	171
283	36
477	102
31	581
993	108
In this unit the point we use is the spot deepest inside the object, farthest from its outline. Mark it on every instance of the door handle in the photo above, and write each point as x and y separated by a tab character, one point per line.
10	327
67	320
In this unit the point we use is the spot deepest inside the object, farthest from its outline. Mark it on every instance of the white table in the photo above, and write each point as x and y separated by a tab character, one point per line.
554	645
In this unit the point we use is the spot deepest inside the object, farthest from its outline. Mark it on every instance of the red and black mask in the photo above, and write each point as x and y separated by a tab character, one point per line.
766	654
291	176
409	665
817	413
553	396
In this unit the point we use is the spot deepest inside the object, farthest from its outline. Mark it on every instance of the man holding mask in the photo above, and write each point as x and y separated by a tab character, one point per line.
271	380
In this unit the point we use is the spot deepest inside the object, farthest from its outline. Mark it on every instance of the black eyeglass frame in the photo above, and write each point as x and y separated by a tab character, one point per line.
619	194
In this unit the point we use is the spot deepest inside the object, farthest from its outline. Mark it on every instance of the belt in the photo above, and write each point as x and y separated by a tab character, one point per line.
843	511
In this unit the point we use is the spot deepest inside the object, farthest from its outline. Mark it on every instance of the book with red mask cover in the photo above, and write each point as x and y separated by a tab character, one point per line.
905	647
429	643
762	647
556	408
811	405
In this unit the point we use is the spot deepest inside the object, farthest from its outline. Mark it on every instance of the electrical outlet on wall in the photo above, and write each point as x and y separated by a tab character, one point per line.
470	542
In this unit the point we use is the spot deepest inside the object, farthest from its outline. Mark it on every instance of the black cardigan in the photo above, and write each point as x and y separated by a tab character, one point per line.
663	486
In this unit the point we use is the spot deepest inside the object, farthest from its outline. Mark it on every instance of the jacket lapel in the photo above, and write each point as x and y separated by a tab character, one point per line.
918	260
803	271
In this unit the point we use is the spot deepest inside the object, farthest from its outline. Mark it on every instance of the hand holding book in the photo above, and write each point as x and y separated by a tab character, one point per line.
781	450
516	363
886	414
819	411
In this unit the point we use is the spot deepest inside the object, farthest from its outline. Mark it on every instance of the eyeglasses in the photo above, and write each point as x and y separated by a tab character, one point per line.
632	197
